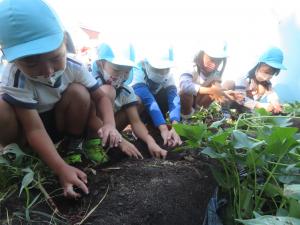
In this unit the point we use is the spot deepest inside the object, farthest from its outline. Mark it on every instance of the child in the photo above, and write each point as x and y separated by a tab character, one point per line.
201	84
45	95
112	69
154	84
257	85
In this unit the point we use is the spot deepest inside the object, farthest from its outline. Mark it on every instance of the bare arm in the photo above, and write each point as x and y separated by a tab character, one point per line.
141	131
40	141
108	131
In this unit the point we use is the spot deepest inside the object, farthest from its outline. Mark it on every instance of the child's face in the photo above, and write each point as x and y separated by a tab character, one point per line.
114	74
210	64
265	73
44	64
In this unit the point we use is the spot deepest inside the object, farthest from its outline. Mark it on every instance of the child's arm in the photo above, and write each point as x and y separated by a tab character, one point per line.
154	111
40	141
108	131
141	132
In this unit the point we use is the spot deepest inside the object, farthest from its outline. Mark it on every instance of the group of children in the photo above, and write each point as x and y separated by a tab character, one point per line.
48	97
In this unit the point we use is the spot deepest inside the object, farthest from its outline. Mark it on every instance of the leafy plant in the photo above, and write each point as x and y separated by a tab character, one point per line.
259	154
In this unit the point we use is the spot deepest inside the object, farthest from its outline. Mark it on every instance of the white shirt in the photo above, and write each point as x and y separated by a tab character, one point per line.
20	91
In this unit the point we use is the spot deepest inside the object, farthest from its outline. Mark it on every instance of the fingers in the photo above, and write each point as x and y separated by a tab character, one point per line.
111	135
69	192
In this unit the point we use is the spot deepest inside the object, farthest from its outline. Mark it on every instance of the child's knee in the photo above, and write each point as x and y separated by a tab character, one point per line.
110	91
8	123
78	93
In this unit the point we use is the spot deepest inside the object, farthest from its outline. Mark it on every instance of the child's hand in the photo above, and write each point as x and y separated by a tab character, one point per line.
216	92
176	140
276	107
156	151
69	177
130	150
109	132
170	137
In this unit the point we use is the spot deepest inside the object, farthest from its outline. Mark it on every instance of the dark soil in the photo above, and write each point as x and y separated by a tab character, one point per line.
133	192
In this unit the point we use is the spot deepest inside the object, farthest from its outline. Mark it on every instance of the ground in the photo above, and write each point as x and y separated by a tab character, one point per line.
159	192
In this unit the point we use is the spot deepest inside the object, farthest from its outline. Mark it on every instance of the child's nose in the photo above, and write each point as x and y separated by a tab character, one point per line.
46	69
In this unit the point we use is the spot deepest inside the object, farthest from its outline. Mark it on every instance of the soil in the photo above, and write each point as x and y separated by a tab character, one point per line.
133	192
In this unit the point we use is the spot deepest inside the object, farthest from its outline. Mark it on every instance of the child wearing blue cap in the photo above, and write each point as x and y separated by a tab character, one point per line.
200	83
46	95
251	90
154	84
112	69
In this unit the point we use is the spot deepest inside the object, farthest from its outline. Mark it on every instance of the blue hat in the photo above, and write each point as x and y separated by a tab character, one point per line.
28	27
117	53
273	57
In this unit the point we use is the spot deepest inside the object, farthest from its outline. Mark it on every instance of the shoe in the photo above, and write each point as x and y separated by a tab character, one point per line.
93	151
71	149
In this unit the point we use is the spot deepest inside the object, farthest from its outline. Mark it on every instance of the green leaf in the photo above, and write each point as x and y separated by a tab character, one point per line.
221	178
294	208
241	140
27	179
281	121
247	202
292	191
72	159
220	137
253	159
280	140
262	112
15	150
3	161
193	133
218	123
271	220
272	190
213	154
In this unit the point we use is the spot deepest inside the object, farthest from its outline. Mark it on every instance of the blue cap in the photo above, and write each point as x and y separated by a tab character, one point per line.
117	53
273	57
161	57
28	27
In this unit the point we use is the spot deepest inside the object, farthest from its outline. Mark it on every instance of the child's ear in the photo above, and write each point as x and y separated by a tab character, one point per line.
69	43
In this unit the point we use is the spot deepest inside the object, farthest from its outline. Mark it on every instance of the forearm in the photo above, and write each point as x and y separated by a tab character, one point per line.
142	133
204	90
105	108
42	144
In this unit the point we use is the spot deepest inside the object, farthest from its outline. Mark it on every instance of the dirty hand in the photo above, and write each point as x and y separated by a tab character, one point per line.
130	150
156	151
216	92
69	177
111	134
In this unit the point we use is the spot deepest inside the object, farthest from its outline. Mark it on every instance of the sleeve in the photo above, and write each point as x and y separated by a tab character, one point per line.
272	97
17	90
150	104
84	77
187	85
127	97
174	103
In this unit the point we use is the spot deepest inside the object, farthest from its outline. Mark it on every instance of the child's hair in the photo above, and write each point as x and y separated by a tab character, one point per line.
199	57
251	75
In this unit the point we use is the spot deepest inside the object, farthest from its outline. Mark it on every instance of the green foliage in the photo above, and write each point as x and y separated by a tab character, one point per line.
259	155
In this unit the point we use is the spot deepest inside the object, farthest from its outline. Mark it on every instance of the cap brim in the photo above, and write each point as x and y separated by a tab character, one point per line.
40	46
123	62
276	65
161	64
